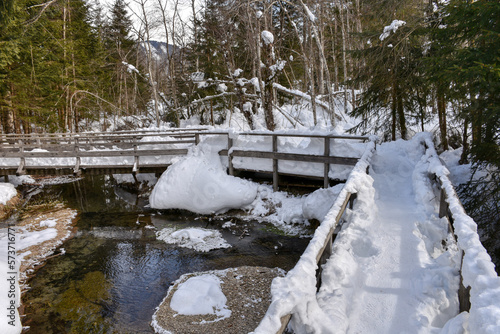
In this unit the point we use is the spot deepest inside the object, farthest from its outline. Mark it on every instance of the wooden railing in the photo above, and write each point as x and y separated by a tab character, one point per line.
320	248
444	211
137	145
95	145
275	155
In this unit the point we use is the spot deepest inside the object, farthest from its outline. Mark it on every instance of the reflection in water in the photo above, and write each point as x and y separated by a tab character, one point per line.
115	273
81	304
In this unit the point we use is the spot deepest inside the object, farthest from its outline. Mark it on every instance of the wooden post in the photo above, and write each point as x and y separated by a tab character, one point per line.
443	205
463	292
22	162
351	200
443	211
326	181
275	163
322	260
230	155
135	168
196	138
76	170
284	323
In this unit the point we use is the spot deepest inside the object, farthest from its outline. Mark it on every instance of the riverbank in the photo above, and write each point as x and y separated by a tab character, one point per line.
39	234
30	233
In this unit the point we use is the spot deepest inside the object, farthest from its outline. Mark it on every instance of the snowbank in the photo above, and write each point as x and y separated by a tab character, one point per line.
478	270
199	183
292	214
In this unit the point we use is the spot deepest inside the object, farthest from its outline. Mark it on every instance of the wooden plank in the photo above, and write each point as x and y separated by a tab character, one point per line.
229	156
97	154
303	135
296	157
330	234
284	323
20	170
463	292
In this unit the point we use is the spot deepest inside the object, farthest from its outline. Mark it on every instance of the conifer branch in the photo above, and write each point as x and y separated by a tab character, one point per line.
44	6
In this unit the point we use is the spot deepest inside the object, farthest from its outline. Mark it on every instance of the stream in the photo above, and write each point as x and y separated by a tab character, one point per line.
114	272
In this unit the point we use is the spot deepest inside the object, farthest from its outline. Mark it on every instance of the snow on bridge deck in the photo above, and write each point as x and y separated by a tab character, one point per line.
396	267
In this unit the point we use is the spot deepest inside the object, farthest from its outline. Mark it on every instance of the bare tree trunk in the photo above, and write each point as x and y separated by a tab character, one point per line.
268	86
401	116
8	114
344	61
441	107
323	63
65	110
149	55
464	158
393	109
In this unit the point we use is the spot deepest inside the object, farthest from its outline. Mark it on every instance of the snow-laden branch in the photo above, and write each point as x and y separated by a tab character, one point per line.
211	97
303	96
392	27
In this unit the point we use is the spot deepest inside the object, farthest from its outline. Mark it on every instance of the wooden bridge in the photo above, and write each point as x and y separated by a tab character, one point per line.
152	152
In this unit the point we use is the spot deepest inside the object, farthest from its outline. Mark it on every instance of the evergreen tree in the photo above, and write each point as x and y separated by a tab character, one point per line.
10	30
469	33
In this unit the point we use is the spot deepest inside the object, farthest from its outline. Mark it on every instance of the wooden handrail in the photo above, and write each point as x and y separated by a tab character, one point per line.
444	211
100	145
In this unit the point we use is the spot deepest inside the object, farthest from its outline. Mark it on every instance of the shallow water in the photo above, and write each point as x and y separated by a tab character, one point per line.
114	272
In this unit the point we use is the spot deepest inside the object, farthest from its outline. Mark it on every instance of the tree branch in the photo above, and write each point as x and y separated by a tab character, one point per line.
44	6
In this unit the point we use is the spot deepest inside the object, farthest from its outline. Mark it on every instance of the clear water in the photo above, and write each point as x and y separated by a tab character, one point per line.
115	273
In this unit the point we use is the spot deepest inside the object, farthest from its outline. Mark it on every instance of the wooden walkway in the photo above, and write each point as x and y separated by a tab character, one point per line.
147	152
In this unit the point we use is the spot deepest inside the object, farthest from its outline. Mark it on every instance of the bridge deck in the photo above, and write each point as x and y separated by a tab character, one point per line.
153	152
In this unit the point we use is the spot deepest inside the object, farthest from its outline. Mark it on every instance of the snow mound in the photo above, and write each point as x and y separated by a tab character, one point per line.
7	192
199	239
199	183
201	295
317	204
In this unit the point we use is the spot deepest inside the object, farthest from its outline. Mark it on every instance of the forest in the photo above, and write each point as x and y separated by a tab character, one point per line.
398	66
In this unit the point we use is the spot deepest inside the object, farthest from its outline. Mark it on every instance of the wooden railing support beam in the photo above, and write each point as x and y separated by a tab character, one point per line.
275	163
326	180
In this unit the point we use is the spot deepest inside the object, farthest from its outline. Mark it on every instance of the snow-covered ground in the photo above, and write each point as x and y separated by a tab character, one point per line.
395	267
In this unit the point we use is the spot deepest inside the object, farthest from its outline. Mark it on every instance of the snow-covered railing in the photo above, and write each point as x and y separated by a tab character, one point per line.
479	292
152	152
300	285
61	152
326	158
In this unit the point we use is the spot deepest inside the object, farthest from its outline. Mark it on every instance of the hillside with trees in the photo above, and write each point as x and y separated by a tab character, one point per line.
397	67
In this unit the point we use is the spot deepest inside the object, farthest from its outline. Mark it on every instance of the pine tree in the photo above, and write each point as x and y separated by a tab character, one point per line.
465	62
10	23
